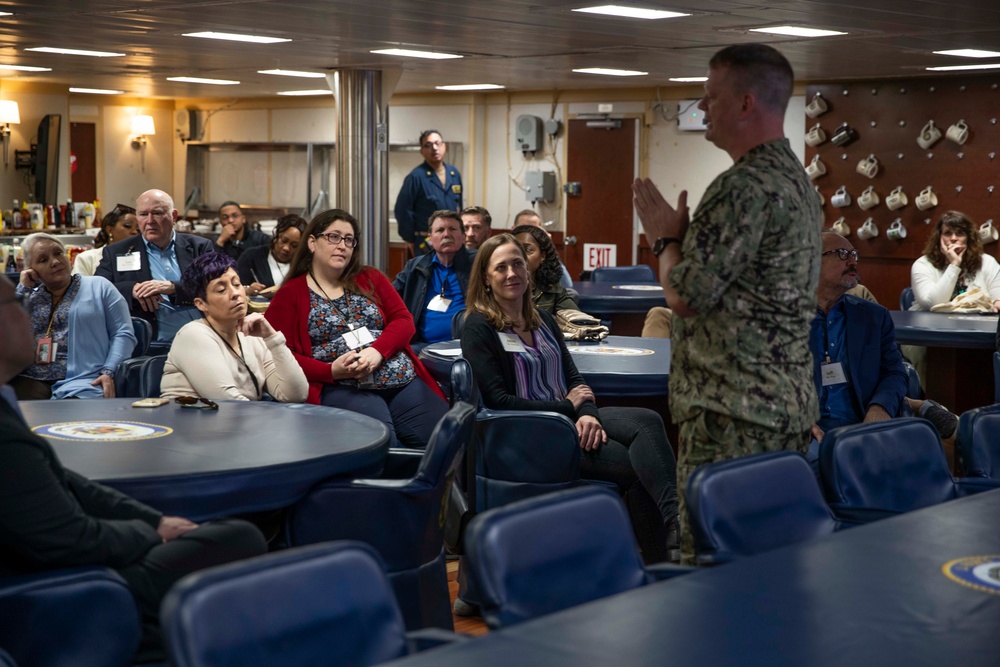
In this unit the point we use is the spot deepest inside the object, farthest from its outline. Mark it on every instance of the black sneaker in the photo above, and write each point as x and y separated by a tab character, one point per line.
945	422
464	609
674	541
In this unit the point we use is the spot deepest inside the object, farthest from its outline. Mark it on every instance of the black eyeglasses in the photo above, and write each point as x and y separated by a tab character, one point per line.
21	299
194	403
333	238
843	254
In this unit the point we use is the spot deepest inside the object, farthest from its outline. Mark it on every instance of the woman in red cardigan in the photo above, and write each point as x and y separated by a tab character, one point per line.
350	333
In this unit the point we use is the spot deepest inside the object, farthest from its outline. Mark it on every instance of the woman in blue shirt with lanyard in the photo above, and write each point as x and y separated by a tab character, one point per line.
432	186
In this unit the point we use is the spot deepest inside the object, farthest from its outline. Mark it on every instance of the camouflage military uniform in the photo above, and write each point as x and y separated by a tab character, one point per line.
741	373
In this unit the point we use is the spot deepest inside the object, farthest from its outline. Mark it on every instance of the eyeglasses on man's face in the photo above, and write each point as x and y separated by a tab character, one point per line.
843	254
428	145
333	238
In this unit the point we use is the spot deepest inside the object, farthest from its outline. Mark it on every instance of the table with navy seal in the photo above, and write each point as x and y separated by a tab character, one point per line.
919	589
202	463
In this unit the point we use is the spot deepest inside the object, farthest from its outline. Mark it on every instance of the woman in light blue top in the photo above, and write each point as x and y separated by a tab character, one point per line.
81	325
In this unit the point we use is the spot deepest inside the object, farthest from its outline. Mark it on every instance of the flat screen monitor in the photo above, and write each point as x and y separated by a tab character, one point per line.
47	159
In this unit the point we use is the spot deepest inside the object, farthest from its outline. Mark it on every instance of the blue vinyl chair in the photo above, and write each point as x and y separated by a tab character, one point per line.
889	467
978	443
75	616
906	298
639	273
555	551
753	504
143	335
6	660
327	604
127	383
913	388
996	377
150	374
401	518
457	324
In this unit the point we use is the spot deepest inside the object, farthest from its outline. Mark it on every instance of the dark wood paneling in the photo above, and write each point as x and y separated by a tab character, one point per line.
83	146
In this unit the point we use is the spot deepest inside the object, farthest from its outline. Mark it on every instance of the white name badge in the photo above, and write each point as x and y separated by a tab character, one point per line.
511	342
439	304
129	262
358	338
833	374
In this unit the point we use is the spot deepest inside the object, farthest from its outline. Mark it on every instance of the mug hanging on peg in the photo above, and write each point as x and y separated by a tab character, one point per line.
958	189
989	189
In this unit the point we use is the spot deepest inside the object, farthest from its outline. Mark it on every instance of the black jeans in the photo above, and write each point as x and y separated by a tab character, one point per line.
638	459
409	412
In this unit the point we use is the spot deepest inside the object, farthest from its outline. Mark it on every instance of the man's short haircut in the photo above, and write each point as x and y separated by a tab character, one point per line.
526	211
761	69
229	203
426	133
445	214
481	212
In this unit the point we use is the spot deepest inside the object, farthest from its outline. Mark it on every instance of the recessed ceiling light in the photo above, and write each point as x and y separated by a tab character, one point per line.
610	72
289	72
236	37
26	68
75	52
630	12
969	53
689	79
304	93
195	79
963	68
471	86
797	31
96	91
409	53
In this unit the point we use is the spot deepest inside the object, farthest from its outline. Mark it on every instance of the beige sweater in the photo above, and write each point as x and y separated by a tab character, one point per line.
200	364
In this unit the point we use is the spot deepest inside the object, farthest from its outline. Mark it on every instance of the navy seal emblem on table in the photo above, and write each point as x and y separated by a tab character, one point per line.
102	431
979	572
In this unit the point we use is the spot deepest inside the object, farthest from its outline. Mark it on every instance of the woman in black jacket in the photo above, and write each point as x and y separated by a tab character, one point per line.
261	267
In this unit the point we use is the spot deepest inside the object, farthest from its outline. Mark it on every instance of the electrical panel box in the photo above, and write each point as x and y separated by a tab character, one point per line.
540	186
689	117
528	134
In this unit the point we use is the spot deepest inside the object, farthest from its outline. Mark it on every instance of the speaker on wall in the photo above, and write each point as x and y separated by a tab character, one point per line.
528	133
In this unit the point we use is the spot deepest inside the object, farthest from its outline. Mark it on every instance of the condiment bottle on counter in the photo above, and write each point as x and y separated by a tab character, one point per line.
16	215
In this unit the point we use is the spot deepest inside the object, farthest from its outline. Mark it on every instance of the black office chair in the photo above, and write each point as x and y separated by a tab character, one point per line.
977	444
639	273
143	335
996	377
127	384
457	324
150	374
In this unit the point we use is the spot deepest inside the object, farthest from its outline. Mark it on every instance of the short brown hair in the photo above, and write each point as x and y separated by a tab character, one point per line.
445	214
761	69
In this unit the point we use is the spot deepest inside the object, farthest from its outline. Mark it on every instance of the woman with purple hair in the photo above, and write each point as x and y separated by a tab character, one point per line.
228	354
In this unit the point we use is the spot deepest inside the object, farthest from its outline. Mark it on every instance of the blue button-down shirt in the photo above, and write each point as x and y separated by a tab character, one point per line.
435	326
838	406
163	266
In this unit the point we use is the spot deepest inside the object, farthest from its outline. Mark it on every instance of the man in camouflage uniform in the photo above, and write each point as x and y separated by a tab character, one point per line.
741	277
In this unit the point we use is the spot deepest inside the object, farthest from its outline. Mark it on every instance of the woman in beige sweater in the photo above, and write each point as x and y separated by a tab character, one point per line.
228	354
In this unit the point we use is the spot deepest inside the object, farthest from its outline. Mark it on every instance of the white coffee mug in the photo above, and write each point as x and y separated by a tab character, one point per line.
815	136
868	166
988	233
815	168
897	199
929	135
868	199
958	132
926	199
841	198
841	227
896	230
868	230
817	107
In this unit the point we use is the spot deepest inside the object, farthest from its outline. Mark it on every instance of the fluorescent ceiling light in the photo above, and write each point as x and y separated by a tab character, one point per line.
26	68
195	79
6	13
471	86
963	68
96	91
236	37
303	93
797	31
969	53
409	53
631	12
689	79
289	72
610	72
75	52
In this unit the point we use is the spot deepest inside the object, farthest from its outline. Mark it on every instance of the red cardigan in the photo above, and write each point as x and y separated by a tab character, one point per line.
288	312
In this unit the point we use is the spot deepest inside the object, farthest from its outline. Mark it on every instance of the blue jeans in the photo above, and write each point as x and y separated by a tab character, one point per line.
410	413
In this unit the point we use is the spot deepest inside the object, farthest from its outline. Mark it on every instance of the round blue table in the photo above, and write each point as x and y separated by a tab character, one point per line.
617	366
945	329
202	464
610	298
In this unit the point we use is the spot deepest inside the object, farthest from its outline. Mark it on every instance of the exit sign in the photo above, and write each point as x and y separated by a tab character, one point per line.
599	254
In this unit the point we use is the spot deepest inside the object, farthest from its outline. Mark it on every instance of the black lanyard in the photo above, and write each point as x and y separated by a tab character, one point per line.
253	378
344	316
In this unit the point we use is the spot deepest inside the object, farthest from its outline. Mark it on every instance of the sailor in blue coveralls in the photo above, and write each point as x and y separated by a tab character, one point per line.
432	186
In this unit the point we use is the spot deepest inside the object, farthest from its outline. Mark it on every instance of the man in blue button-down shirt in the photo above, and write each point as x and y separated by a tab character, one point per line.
147	269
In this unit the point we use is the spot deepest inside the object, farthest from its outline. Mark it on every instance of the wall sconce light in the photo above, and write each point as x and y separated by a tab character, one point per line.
8	114
141	127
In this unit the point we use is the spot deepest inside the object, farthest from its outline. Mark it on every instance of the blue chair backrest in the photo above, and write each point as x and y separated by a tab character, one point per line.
150	374
896	465
127	383
463	383
913	388
639	273
452	433
6	660
143	335
978	442
996	377
753	504
906	298
552	552
457	324
322	604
